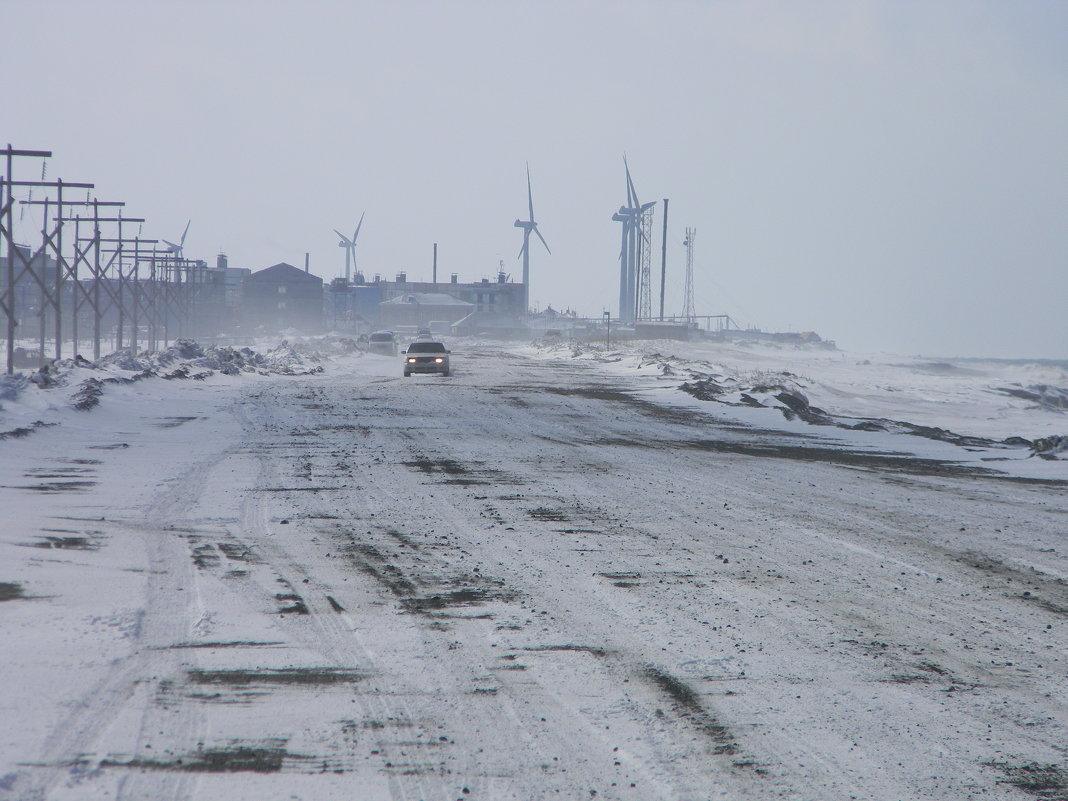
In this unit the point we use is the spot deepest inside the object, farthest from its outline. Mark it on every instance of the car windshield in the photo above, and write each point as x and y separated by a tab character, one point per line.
426	347
381	337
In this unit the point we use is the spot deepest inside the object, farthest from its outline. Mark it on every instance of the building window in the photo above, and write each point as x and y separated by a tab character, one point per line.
281	305
281	290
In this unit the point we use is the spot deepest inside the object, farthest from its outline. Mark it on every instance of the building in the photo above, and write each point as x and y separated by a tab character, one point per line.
219	299
421	310
499	297
282	297
352	307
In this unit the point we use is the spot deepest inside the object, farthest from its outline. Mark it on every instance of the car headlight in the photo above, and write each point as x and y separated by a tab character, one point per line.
438	360
411	361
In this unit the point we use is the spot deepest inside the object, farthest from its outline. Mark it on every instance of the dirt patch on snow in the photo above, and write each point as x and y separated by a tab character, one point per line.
1048	782
467	596
450	471
419	589
55	487
265	757
592	650
688	705
25	431
307	676
10	591
228	644
67	541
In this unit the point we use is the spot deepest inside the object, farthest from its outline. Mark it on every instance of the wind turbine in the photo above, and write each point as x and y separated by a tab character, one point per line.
350	247
643	277
528	225
176	249
634	242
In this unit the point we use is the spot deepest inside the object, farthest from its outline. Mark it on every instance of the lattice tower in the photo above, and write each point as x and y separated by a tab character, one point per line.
645	249
688	308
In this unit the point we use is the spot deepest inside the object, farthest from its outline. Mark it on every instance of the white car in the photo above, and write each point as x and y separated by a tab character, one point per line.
426	356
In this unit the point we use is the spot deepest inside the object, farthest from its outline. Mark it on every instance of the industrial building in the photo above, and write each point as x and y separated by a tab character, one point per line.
281	297
484	305
422	310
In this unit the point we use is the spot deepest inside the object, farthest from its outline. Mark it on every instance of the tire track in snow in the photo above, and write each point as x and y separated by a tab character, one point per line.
166	618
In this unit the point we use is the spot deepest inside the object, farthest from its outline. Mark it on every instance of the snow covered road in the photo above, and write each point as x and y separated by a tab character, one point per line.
532	579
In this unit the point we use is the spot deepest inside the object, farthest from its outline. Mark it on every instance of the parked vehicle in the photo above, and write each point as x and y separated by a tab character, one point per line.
426	356
382	342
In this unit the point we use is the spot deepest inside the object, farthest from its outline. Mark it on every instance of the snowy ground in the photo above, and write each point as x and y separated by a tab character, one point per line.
550	575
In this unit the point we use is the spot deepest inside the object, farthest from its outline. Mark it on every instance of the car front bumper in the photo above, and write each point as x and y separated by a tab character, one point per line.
426	367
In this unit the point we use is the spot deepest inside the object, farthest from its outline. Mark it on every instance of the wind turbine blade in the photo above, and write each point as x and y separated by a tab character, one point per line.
359	225
344	239
170	244
524	247
632	192
530	197
186	231
542	238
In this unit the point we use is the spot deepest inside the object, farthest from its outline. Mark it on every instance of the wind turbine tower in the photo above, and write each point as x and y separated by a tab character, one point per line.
688	310
350	249
528	225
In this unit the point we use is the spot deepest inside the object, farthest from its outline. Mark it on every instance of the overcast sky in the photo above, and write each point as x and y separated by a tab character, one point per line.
892	175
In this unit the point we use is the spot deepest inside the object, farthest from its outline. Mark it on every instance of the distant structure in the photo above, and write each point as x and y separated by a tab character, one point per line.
434	310
528	225
490	306
282	297
177	248
218	304
634	268
645	247
689	313
350	248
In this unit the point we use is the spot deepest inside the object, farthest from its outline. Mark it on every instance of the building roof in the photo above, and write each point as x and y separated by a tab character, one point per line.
284	272
426	299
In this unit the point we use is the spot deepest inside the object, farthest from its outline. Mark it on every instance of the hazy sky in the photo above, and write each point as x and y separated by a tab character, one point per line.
893	175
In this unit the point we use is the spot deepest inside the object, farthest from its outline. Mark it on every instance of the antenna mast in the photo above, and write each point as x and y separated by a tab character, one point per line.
688	310
645	247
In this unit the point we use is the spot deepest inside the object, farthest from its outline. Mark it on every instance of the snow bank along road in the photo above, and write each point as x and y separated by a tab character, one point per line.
525	581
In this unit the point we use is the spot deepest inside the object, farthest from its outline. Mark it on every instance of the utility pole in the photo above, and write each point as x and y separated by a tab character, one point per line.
113	289
663	260
137	304
99	269
8	299
54	240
